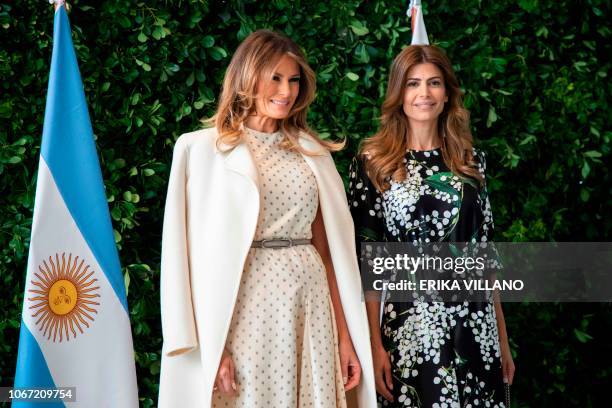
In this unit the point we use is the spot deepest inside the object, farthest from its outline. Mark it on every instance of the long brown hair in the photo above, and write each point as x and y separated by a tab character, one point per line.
255	60
386	149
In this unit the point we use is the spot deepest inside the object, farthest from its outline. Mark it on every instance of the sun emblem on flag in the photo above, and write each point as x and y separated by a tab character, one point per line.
65	297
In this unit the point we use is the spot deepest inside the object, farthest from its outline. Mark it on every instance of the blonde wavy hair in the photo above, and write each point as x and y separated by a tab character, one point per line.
386	149
254	61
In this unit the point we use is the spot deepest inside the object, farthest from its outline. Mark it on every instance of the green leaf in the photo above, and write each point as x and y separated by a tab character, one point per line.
584	195
359	28
143	64
586	169
158	33
542	32
528	5
6	110
592	154
217	53
492	117
123	21
126	282
352	76
208	41
503	92
362	54
527	140
119	163
582	336
172	67
190	79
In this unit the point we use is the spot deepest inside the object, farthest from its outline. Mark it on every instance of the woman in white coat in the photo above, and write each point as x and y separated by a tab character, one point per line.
260	290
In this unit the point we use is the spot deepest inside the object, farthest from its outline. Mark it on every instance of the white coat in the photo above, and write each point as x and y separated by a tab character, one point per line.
210	218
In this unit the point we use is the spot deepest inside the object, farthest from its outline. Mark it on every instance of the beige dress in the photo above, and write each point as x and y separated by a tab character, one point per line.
283	334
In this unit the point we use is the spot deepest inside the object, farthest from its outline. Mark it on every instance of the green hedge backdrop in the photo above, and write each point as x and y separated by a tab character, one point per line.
536	80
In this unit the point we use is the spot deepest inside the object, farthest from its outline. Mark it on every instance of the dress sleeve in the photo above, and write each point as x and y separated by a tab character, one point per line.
366	205
486	229
493	262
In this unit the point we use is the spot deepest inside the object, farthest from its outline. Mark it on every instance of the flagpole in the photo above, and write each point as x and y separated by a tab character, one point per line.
411	12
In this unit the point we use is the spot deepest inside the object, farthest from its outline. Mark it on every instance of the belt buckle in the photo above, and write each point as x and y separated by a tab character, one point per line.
276	243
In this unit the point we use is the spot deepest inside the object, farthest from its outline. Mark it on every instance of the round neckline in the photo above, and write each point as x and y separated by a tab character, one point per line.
260	133
424	151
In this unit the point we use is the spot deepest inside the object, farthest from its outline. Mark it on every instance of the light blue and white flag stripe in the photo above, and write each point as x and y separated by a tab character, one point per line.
75	329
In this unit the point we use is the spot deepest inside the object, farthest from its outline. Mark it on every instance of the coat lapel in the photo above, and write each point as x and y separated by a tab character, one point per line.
240	160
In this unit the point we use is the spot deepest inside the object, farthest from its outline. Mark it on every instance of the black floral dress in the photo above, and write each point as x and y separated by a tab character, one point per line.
442	354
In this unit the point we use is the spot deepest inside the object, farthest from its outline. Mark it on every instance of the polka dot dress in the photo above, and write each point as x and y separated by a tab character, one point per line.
283	336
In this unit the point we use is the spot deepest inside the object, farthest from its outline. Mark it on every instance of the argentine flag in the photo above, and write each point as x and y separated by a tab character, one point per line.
75	329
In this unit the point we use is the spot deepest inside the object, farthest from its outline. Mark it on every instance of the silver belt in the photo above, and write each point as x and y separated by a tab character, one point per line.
279	243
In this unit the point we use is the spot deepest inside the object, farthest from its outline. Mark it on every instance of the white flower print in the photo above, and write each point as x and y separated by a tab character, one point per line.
431	365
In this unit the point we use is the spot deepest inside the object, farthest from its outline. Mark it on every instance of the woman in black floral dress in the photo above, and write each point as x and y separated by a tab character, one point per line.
418	179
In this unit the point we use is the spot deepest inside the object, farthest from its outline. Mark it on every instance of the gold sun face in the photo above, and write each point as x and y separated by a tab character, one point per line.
64	297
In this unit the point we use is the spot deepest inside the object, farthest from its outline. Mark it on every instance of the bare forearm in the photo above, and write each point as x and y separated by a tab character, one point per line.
319	241
343	332
499	313
501	322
